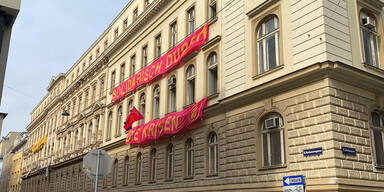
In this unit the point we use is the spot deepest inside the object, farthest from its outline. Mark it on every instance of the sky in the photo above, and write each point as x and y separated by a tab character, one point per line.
48	37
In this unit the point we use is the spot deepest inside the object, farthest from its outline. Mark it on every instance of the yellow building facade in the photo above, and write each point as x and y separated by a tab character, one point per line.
16	170
284	79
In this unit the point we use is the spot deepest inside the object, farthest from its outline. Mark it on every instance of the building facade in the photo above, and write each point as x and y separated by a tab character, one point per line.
283	79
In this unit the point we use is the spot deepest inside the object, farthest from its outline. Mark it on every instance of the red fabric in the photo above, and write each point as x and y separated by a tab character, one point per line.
171	124
164	64
133	116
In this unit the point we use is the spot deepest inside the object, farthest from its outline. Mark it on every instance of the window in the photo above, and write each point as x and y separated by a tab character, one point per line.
369	39
272	140
126	170
130	105
93	92
212	9
105	44
116	34
90	60
172	94
152	176
139	167
86	98
105	181
189	157
113	79
146	3
170	161
190	85
268	44
145	56
173	34
122	72
90	134
101	87
109	131
142	107
119	121
212	73
97	52
133	65
125	24
114	173
191	20
377	129
156	102
213	154
157	46
74	107
135	13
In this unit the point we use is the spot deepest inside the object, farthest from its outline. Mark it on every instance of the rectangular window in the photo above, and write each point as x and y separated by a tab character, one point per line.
146	3
116	33
191	20
79	108
86	99
105	44
133	65
125	24
97	52
145	56
93	92
90	60
135	13
158	46
212	9
101	87
122	72
173	34
113	78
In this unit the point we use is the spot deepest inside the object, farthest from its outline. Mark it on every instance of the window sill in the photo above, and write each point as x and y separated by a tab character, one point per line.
138	183
212	96
107	139
168	180
267	72
213	175
151	182
116	136
188	178
212	20
381	167
273	167
186	106
378	69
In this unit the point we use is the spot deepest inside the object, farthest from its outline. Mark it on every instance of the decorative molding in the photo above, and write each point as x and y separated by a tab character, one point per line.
260	8
211	42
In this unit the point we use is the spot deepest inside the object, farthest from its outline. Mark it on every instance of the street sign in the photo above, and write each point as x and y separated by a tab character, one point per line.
97	164
314	151
348	151
294	183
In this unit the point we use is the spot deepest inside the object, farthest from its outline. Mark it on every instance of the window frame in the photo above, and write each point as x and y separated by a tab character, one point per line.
189	158
210	68
213	145
169	162
109	129
132	65
373	34
156	102
171	107
115	172
189	79
152	165
119	121
173	34
126	171
157	46
380	129
139	167
191	20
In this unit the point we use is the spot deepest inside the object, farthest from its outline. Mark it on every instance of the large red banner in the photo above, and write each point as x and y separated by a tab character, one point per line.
171	124
163	64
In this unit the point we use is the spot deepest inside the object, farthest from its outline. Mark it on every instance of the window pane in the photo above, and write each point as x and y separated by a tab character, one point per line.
271	52
269	25
375	119
378	139
375	51
367	46
261	57
275	148
265	150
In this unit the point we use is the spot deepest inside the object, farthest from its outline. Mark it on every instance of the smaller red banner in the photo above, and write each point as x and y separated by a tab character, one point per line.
133	116
171	124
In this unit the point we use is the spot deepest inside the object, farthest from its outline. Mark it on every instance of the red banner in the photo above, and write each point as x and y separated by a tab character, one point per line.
171	124
163	64
133	116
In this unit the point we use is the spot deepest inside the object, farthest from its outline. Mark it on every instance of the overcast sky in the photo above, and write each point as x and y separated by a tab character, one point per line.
47	39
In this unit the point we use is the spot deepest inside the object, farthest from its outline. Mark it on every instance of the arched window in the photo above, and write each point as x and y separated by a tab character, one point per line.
139	167
126	170
189	157
119	121
272	137
109	131
377	128
142	107
172	94
153	165
90	133
114	173
369	40
156	102
213	153
190	85
212	73
268	46
79	179
170	161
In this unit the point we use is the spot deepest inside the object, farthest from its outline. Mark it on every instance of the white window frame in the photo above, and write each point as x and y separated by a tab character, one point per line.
373	36
263	39
268	133
379	128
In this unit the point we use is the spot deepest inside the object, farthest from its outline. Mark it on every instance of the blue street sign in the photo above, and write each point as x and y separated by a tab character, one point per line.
348	151
314	151
293	180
